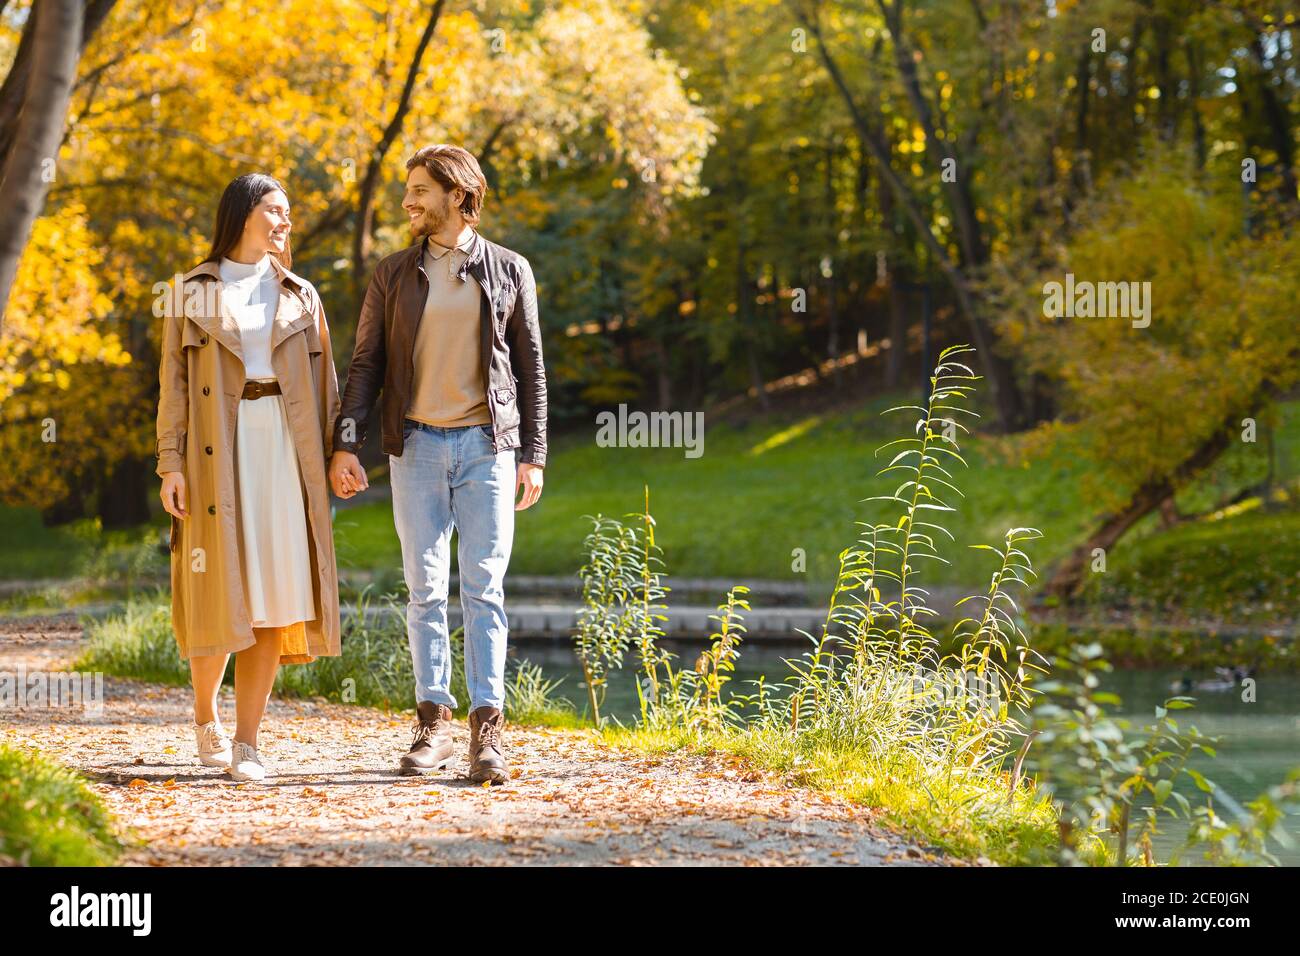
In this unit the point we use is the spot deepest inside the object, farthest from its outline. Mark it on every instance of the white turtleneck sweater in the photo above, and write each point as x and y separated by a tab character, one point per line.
250	291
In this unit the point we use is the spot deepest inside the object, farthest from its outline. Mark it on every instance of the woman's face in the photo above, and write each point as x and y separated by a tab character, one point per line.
268	224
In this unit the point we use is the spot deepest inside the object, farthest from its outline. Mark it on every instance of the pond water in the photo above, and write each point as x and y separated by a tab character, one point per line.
1259	742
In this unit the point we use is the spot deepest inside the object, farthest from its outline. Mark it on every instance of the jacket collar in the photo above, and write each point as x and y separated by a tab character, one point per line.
474	257
213	269
291	313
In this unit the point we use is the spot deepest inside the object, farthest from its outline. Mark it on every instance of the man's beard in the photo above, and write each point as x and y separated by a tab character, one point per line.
432	221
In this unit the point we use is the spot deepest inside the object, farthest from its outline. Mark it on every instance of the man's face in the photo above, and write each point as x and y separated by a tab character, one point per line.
428	206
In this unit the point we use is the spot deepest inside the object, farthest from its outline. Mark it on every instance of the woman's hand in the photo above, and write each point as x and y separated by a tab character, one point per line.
346	475
173	494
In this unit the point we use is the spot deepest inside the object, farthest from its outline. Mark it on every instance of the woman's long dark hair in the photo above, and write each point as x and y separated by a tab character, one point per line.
237	203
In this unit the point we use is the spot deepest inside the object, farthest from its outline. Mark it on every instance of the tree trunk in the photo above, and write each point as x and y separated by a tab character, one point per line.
68	508
123	498
1006	391
745	312
832	314
897	359
14	90
1068	578
961	202
1278	121
56	46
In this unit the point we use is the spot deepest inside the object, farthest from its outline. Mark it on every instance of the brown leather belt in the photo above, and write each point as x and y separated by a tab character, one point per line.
258	389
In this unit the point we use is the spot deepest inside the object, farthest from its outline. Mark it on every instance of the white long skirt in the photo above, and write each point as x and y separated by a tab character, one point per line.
273	555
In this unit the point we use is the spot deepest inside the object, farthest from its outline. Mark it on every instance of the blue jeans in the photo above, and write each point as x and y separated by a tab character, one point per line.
446	477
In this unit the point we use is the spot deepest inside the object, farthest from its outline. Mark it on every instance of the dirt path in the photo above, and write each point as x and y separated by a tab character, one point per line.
332	795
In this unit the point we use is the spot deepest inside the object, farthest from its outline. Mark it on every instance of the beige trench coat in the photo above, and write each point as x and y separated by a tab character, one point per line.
201	379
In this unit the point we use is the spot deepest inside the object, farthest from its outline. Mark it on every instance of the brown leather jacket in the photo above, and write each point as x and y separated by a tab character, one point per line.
510	345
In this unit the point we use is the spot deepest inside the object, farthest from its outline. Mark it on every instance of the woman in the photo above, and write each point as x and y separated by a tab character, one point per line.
246	411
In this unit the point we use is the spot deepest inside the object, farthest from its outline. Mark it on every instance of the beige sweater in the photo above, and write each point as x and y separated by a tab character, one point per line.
448	388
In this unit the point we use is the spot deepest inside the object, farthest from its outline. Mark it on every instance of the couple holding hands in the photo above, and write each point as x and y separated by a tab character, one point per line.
251	428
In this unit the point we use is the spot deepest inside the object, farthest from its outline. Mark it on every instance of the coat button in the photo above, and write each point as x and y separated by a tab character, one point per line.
208	449
212	509
205	390
203	340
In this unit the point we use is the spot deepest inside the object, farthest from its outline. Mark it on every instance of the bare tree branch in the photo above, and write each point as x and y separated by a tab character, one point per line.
365	202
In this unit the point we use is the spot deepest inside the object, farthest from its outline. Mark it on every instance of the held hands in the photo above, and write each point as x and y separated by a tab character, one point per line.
347	477
173	494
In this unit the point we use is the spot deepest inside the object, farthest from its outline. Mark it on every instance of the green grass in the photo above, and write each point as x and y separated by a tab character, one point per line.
374	669
48	816
758	493
1243	566
29	550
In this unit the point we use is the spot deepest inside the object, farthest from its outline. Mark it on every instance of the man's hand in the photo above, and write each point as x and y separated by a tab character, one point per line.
530	478
347	477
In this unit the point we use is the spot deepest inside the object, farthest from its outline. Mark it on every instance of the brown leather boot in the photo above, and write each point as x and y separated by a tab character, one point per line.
485	759
431	747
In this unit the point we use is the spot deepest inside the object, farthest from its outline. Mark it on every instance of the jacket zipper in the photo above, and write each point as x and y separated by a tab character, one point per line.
487	366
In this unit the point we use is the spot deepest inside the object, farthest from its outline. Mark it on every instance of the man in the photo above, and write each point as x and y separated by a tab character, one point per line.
449	334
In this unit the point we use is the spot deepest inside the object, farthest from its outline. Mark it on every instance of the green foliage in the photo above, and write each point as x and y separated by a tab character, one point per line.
374	669
1095	774
607	617
49	816
623	592
1217	348
125	560
874	679
715	666
531	698
1245	841
137	642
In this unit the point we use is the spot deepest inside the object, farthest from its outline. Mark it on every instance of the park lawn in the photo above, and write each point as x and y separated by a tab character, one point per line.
1244	565
787	481
1239	565
29	550
761	491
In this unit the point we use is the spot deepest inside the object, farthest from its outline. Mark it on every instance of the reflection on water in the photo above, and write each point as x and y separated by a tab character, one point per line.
1259	742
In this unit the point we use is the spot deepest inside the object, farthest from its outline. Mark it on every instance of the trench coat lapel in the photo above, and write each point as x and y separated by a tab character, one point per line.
216	321
290	317
291	313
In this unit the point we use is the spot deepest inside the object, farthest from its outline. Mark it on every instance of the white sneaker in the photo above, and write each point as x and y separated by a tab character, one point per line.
244	765
214	744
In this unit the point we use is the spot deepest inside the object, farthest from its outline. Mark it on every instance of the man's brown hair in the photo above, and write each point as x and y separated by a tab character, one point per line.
451	166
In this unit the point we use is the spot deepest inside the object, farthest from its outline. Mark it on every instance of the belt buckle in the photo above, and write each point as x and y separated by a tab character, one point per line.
257	389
